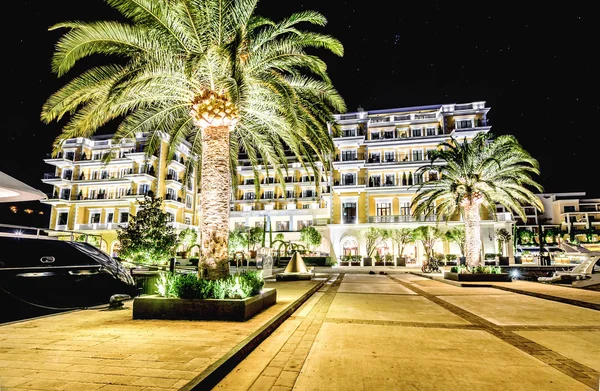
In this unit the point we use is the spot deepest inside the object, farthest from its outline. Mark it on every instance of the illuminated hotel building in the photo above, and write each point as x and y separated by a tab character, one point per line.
371	183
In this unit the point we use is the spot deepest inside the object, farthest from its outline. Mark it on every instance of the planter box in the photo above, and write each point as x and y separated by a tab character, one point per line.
400	261
156	307
503	261
367	261
477	277
379	263
355	264
342	263
518	260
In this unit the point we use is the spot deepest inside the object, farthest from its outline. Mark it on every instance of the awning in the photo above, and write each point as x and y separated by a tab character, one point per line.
13	190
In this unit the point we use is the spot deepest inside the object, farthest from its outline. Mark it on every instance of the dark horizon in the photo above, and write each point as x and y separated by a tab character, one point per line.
532	66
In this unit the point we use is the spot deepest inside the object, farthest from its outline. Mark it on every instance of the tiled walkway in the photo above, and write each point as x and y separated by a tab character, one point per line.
371	332
109	351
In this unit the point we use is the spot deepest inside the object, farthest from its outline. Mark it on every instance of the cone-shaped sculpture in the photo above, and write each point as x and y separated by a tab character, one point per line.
296	270
296	264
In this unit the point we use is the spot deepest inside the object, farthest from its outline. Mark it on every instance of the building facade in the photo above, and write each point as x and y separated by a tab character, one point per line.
97	184
371	183
375	178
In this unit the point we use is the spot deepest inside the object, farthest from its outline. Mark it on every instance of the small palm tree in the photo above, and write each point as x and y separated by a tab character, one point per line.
458	236
402	237
210	72
480	173
428	236
503	237
373	238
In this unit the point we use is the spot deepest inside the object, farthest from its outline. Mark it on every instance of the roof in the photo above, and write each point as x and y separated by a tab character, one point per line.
12	190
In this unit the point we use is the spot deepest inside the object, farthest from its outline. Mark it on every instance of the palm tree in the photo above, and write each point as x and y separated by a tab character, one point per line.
210	72
428	236
480	173
458	236
402	237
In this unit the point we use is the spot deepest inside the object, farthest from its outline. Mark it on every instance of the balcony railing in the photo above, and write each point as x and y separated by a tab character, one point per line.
350	157
401	219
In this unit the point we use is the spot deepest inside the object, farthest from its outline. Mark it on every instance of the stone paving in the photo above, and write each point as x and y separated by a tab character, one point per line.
109	351
425	335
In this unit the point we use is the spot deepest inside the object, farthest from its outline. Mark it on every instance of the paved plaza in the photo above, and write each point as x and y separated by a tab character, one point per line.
406	332
399	331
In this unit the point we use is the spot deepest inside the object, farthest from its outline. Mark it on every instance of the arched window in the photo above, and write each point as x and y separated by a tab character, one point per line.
350	247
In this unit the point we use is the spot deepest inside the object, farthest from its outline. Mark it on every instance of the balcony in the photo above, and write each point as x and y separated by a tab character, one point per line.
60	160
98	226
347	182
174	181
177	164
53	179
170	198
401	219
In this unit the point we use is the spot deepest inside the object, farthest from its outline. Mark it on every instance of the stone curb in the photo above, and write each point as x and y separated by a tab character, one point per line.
212	375
564	300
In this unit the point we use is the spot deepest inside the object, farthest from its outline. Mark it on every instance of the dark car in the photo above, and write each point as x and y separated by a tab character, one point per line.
60	274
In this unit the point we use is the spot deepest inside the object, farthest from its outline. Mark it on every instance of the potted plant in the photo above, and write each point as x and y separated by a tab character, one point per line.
504	237
345	261
388	260
451	259
373	238
402	237
378	259
490	258
457	235
355	260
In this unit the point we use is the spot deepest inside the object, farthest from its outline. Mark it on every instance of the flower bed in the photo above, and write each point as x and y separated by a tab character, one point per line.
237	298
478	273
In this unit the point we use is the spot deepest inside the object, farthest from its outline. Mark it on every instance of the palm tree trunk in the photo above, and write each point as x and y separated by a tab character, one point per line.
472	233
215	191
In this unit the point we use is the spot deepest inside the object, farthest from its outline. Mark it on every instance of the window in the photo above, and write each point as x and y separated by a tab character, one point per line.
349	133
570	208
464	123
249	196
388	134
348	156
389	156
63	218
188	201
431	131
94	175
384	209
268	195
104	174
70	155
92	194
349	212
304	224
350	247
429	153
65	194
390	180
433	175
375	135
95	218
375	158
306	206
188	220
67	174
309	193
96	156
259	224
170	217
417	155
110	217
171	174
418	178
289	194
171	194
348	180
123	217
143	189
239	226
375	181
417	132
122	192
282	226
404	209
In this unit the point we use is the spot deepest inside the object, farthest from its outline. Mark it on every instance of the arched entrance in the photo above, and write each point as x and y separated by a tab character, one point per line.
349	247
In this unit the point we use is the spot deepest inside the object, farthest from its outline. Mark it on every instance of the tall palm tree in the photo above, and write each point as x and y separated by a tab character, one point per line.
210	72
428	236
480	173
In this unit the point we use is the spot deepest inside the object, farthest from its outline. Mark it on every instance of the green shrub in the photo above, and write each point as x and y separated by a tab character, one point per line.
329	261
490	256
451	257
454	269
189	286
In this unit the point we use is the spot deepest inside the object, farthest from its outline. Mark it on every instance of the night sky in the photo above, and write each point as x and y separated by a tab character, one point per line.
534	67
